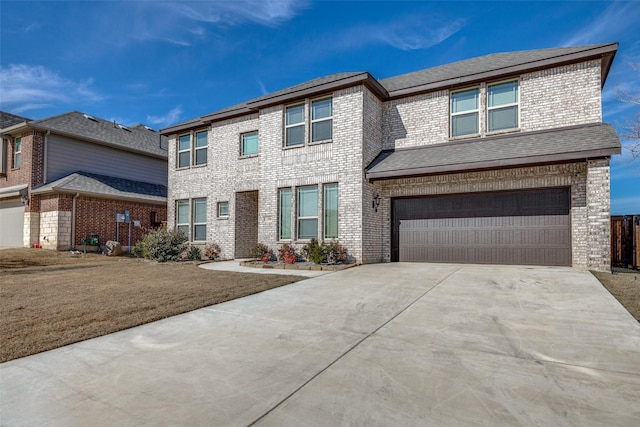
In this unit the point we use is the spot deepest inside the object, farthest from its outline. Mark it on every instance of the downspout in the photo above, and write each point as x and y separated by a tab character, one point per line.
73	221
46	156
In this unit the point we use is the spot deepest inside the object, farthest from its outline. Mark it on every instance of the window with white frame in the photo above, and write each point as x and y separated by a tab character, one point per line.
294	125
201	142
182	217
199	220
330	211
307	198
249	143
192	149
223	209
322	120
502	106
17	153
465	114
184	151
284	213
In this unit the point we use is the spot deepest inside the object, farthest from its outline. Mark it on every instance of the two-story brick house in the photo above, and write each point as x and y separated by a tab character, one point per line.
64	178
498	159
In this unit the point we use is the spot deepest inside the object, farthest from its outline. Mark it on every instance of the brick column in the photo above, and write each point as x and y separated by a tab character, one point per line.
598	215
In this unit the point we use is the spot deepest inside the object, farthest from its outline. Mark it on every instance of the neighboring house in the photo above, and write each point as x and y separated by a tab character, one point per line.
498	159
64	178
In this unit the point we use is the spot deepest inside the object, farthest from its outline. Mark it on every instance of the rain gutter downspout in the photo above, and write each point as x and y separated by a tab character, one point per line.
73	221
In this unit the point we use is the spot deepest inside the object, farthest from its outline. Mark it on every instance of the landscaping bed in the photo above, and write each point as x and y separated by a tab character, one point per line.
297	265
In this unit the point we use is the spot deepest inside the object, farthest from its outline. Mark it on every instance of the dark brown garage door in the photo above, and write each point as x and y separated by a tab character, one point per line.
523	227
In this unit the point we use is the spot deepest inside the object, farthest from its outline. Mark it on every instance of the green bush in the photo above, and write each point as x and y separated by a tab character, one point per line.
194	253
315	251
161	245
259	250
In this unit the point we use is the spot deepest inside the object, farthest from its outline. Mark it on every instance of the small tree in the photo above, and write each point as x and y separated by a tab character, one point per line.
629	129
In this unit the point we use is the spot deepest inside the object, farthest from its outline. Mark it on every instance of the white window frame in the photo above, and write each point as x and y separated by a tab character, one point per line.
282	214
326	187
186	150
17	153
288	126
513	104
242	136
199	223
197	149
303	218
184	224
221	214
460	113
323	119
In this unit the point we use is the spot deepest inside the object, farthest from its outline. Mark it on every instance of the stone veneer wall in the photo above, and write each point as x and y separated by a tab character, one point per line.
55	230
589	200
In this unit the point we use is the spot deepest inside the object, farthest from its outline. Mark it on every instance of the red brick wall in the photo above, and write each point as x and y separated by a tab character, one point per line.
98	216
31	170
53	202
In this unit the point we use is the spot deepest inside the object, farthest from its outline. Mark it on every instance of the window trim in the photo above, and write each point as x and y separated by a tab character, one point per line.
303	123
183	224
193	218
281	213
476	111
17	153
300	217
325	212
204	148
515	104
242	135
313	121
219	212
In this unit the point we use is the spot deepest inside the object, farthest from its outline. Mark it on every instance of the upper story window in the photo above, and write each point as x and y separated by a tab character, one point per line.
192	149
502	106
465	113
249	144
17	153
294	125
322	120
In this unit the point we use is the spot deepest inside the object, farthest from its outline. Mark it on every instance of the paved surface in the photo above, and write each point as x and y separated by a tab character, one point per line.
387	345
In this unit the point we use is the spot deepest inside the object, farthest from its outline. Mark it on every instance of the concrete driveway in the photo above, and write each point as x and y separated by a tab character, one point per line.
387	345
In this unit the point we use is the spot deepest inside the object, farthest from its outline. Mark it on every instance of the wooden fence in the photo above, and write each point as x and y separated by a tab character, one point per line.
625	241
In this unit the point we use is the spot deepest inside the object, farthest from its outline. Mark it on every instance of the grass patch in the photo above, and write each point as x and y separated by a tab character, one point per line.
625	287
51	299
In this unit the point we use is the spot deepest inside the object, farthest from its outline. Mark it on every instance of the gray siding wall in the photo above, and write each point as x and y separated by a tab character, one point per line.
66	156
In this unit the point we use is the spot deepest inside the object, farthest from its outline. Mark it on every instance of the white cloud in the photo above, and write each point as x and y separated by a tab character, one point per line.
408	33
618	17
27	87
172	117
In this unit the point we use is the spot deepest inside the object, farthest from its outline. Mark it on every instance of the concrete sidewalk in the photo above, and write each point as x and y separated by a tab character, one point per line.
386	344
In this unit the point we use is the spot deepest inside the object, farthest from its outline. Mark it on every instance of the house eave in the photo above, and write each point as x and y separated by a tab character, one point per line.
154	200
493	164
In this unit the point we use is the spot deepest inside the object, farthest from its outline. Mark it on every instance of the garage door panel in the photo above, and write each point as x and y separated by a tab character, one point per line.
517	238
11	223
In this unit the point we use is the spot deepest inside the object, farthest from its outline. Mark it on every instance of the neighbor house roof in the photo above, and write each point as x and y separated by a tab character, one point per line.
138	138
440	77
94	185
516	149
8	119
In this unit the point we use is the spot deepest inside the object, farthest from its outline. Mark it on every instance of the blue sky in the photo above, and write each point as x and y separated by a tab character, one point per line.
160	63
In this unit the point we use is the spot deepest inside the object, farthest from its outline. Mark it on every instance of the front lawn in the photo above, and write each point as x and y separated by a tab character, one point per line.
50	299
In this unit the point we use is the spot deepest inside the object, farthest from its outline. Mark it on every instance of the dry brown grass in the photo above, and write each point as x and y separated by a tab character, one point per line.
50	299
625	287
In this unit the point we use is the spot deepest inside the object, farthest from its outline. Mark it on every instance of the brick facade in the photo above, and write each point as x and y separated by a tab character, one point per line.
363	125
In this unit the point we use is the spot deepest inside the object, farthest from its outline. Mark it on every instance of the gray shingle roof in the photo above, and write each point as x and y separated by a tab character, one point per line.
105	186
82	126
8	119
481	64
561	144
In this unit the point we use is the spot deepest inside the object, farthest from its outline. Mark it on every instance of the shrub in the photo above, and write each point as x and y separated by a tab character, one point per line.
266	257
259	250
161	245
287	254
194	253
315	251
336	253
212	251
